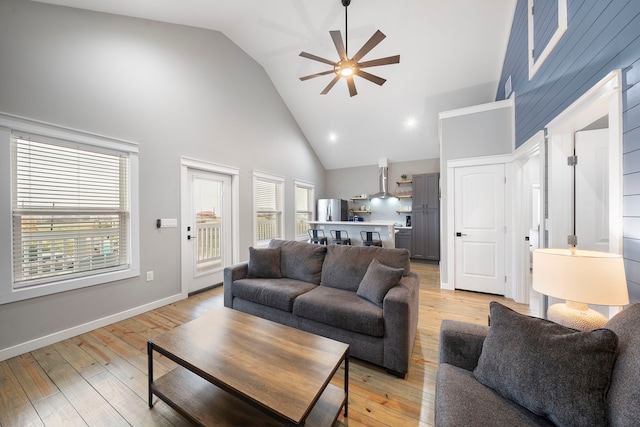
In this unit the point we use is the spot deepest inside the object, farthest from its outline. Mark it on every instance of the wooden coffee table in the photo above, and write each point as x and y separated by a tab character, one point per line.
237	369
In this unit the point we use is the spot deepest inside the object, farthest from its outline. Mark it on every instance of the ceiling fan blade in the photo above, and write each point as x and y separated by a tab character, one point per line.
375	79
324	73
382	61
376	38
331	84
339	44
352	86
317	58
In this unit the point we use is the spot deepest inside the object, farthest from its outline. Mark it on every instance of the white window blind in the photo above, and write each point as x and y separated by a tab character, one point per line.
71	213
268	201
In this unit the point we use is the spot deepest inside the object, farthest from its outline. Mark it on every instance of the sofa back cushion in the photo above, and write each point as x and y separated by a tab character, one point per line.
624	391
300	260
345	266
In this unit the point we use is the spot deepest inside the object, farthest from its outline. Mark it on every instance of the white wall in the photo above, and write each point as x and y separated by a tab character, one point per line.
480	131
175	90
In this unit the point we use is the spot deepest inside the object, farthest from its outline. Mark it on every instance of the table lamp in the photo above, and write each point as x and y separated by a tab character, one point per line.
580	277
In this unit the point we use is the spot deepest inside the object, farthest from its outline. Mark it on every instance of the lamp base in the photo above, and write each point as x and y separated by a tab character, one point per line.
576	315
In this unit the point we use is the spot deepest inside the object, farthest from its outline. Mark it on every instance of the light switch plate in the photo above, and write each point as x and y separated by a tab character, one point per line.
168	223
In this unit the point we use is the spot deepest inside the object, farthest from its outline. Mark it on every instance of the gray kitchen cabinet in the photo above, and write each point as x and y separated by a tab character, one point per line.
425	217
403	239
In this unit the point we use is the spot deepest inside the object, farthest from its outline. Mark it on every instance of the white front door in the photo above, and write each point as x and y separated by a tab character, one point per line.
480	228
207	229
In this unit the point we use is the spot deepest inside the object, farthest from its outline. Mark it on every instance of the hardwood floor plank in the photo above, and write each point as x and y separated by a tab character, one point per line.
56	410
33	380
92	407
15	407
132	407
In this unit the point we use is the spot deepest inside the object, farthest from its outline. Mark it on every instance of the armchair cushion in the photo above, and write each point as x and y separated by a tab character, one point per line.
553	371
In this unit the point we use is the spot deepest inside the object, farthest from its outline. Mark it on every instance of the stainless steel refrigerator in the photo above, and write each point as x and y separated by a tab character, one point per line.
332	210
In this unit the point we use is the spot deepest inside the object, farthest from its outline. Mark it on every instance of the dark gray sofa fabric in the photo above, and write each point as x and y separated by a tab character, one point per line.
466	402
300	261
342	309
624	390
380	335
345	266
459	348
277	293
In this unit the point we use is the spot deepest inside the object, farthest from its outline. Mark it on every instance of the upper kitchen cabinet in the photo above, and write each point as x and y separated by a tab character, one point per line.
426	216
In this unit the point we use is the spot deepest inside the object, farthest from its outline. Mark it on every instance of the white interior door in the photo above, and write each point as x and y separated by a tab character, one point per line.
207	229
480	228
592	190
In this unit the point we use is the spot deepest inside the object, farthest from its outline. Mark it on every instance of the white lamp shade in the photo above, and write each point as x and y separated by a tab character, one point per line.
582	276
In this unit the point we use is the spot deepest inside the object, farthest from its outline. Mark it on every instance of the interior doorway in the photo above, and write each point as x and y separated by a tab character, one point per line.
585	193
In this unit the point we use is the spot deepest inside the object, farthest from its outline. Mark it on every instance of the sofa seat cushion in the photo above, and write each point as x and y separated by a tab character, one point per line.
341	309
463	401
300	260
276	293
345	266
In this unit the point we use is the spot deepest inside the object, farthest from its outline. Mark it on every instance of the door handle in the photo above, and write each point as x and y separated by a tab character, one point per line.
458	234
189	237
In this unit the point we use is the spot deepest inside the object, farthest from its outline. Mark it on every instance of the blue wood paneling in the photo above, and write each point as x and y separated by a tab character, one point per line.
601	36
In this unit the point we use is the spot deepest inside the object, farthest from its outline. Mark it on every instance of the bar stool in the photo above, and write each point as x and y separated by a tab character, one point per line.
317	236
340	237
371	238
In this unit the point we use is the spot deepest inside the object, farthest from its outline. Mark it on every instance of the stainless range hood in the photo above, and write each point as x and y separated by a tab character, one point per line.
384	181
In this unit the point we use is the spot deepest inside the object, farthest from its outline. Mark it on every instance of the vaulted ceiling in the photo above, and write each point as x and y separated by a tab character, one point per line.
451	54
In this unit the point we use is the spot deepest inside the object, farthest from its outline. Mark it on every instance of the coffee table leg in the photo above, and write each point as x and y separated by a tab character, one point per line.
346	385
150	360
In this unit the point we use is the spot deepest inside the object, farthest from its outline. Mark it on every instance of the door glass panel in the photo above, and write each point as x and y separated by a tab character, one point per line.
207	206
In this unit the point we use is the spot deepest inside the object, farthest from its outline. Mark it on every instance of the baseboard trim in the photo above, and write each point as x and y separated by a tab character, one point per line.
55	337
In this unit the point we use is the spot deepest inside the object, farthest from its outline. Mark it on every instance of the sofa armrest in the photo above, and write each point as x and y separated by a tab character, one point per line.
461	343
231	274
400	311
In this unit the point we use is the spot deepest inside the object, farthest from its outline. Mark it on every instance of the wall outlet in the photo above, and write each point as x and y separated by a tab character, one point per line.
149	276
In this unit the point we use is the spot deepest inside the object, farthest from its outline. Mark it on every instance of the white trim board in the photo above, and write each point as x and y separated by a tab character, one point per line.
55	337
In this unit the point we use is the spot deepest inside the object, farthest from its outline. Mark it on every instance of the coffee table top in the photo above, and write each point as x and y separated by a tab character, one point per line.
274	366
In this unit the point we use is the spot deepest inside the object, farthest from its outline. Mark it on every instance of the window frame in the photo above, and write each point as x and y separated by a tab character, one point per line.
534	65
11	126
311	188
279	180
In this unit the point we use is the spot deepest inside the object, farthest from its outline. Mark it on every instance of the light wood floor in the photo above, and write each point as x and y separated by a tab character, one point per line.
100	378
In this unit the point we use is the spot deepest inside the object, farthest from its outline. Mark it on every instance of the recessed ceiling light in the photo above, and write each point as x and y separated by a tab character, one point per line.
333	137
410	122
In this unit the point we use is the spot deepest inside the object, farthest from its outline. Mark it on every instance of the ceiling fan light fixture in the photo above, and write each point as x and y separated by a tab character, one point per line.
347	67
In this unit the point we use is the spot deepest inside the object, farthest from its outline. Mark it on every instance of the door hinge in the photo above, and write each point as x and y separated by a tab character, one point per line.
572	160
505	279
505	229
572	240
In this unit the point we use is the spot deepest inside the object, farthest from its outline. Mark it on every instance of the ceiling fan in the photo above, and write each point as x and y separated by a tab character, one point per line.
348	67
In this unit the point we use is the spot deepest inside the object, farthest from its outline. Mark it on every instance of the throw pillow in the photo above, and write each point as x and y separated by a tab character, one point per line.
377	281
264	263
552	370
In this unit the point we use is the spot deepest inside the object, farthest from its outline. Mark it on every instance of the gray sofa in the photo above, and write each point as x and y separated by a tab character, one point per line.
579	378
366	297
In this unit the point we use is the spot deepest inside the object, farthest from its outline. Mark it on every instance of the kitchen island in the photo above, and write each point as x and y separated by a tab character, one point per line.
387	230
